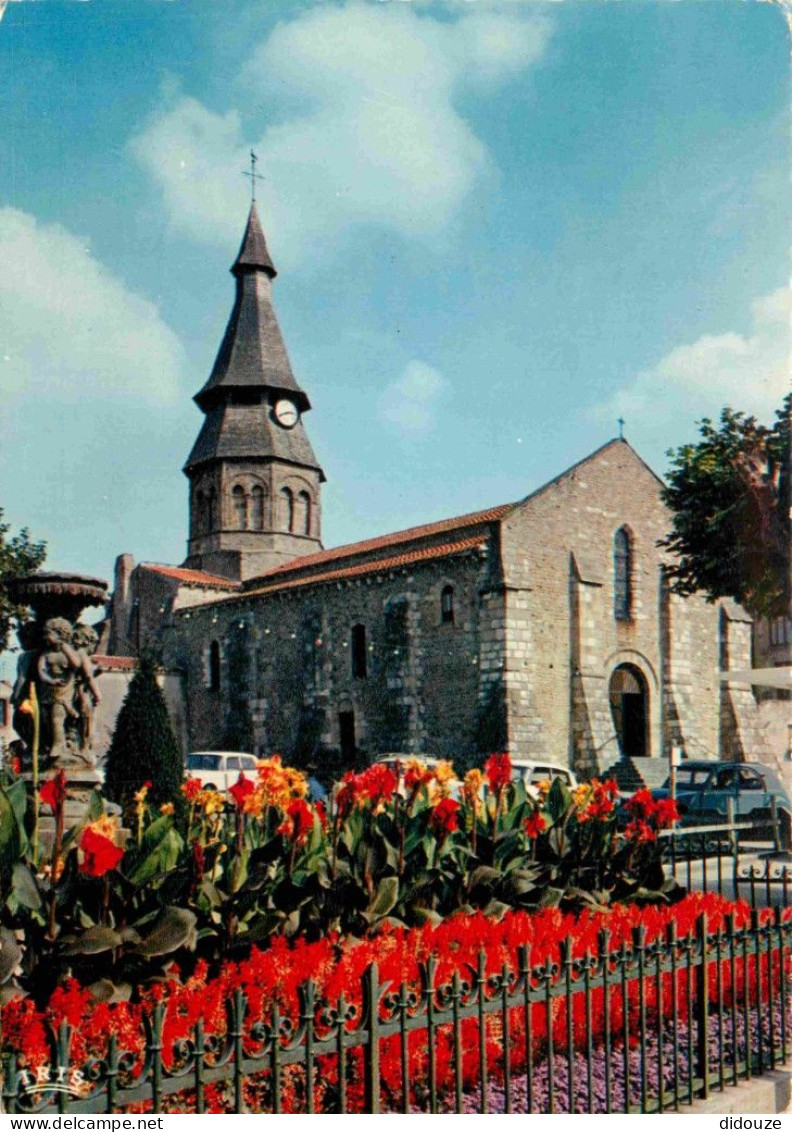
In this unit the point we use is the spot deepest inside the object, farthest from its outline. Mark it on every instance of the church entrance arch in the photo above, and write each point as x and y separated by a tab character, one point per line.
629	704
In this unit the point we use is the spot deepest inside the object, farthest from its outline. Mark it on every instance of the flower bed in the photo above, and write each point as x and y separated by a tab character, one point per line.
205	877
462	945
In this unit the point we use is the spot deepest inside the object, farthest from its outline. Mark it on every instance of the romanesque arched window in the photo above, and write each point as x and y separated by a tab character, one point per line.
240	506
622	575
447	605
199	520
214	666
287	510
358	655
257	507
211	510
303	519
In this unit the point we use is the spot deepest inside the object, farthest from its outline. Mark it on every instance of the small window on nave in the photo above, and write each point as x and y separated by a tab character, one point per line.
447	605
214	667
358	657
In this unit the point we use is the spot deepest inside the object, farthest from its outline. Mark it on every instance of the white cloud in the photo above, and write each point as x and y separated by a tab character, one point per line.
409	402
70	329
373	134
748	371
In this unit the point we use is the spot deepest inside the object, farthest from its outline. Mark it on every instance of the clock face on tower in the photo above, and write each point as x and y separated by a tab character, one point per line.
286	413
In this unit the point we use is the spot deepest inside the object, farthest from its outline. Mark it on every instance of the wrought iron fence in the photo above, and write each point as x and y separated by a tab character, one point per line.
739	859
644	1027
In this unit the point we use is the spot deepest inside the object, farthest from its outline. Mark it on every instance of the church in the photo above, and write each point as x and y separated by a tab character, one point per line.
543	626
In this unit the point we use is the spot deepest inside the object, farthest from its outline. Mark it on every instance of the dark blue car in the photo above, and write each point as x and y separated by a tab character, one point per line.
703	790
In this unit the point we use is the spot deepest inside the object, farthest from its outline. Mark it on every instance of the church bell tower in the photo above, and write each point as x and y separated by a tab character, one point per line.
255	484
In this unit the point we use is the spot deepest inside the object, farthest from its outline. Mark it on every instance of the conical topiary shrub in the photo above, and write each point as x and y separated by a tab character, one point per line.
144	747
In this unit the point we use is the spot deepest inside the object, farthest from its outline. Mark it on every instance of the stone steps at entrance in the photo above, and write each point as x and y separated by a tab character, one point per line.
632	774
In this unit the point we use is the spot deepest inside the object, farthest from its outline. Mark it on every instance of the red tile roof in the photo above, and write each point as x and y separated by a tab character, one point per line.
120	663
382	542
191	577
421	554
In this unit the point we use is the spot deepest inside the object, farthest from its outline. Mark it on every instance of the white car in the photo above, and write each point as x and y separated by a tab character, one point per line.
532	772
218	770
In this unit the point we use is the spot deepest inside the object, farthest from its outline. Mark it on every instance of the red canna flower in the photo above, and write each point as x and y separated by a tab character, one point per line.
602	804
346	795
321	812
666	813
242	789
498	770
16	765
639	830
444	817
299	821
53	792
642	804
191	788
377	783
534	825
99	853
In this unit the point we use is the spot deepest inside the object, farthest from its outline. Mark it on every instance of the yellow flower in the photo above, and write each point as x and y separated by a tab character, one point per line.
106	826
472	787
26	707
581	795
167	808
544	787
444	776
141	794
210	802
277	786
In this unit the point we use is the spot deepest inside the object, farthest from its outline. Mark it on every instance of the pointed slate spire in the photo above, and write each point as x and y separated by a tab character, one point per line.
253	252
252	356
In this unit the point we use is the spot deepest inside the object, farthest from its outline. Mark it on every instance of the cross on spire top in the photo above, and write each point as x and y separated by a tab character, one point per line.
620	422
254	176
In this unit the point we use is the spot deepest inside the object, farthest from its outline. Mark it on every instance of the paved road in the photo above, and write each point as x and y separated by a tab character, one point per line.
704	876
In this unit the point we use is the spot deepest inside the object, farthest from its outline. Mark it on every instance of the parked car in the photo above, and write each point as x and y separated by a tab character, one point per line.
703	790
532	772
219	769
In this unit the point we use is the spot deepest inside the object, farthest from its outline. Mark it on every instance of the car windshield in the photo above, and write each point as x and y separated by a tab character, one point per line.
690	777
203	762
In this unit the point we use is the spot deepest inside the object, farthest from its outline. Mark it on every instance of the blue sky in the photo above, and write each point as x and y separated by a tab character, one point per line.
498	226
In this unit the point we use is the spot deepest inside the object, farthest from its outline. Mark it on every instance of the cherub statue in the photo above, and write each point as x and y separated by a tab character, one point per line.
57	666
87	697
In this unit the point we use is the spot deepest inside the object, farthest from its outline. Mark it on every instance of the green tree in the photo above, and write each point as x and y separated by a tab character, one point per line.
730	497
18	555
144	747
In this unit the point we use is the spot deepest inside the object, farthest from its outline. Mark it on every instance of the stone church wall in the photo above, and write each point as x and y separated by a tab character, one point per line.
285	665
563	640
